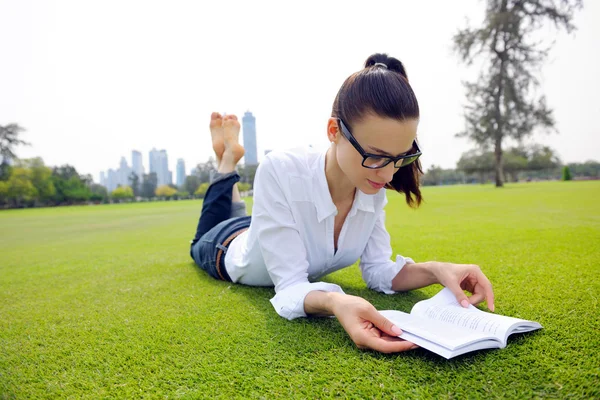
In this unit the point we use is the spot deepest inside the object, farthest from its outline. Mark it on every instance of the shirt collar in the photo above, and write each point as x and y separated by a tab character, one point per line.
323	201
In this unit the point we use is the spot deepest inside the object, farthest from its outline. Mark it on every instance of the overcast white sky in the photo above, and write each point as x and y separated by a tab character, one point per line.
90	81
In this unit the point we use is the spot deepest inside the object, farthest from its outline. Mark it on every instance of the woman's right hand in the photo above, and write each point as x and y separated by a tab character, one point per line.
367	328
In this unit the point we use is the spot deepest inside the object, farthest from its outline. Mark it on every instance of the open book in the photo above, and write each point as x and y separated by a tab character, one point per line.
441	325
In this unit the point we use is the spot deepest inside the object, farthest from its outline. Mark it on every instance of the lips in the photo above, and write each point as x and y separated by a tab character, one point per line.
376	185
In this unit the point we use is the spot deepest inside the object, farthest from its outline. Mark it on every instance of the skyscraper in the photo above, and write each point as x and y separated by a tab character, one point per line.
136	163
167	176
180	172
159	164
249	131
123	173
153	157
111	182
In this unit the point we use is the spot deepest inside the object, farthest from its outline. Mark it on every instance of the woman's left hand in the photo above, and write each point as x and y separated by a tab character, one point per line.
459	277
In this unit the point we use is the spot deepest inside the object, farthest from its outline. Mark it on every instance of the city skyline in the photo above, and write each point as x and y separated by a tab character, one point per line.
249	136
162	94
158	161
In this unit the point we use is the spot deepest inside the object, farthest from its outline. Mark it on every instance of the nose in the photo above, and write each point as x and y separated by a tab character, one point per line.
386	173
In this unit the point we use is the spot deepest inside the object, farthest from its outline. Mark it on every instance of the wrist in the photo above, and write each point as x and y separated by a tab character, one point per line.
432	268
334	300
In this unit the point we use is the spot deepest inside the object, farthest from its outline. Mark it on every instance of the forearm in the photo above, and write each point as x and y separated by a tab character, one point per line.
320	303
414	276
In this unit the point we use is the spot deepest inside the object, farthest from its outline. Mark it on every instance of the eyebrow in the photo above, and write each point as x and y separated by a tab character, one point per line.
385	153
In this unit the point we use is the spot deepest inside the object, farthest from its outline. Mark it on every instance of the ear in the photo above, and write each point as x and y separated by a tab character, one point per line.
333	133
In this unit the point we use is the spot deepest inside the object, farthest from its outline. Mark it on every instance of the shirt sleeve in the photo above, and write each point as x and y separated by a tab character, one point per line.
377	268
281	246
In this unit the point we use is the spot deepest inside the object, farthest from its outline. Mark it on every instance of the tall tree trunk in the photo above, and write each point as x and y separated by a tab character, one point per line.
501	54
499	167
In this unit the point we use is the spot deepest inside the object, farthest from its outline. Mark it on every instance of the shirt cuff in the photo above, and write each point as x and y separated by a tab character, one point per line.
388	276
289	302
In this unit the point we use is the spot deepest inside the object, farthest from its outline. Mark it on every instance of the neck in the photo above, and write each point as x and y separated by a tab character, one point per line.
340	188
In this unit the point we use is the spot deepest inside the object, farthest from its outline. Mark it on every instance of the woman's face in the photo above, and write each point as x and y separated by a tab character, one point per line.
377	135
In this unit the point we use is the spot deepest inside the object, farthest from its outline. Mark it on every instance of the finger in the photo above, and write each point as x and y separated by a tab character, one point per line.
477	297
384	324
461	297
487	288
388	346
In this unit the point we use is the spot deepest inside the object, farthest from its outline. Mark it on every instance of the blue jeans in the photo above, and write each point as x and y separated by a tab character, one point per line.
216	229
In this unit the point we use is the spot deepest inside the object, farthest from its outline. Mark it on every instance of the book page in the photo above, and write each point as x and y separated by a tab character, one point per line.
444	307
434	335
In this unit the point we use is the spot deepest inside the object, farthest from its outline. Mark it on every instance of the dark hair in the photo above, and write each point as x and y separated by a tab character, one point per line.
382	89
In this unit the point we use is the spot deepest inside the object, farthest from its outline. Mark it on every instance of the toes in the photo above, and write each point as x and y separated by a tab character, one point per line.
215	115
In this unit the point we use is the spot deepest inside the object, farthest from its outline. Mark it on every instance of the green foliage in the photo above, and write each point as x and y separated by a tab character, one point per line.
165	191
122	192
108	304
202	189
244	187
566	173
20	187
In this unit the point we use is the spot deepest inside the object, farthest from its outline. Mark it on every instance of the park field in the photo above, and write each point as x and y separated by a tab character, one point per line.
105	302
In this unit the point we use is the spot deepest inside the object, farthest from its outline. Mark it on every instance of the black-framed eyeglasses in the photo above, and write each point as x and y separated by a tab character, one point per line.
374	161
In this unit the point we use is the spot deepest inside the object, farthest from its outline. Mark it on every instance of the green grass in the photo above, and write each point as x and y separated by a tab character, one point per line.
104	302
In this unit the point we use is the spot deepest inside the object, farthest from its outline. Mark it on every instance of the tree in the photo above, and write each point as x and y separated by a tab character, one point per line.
9	139
500	103
566	174
40	178
122	193
191	183
99	192
204	170
433	176
542	157
149	184
476	162
165	191
244	187
20	188
134	182
70	187
202	189
247	173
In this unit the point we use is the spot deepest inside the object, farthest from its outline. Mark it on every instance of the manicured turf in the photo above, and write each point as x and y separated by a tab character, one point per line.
105	302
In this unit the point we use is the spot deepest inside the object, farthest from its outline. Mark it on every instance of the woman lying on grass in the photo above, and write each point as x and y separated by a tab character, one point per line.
315	213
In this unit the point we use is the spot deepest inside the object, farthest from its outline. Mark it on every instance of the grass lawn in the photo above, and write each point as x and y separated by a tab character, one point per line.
105	302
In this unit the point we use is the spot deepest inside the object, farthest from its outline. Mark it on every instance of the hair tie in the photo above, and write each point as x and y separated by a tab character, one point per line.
380	65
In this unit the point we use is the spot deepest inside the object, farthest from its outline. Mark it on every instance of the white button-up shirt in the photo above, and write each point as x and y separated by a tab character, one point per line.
289	244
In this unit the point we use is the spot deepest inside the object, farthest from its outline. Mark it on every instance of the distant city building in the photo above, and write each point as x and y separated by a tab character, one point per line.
123	173
249	131
102	178
180	172
159	164
111	180
137	166
153	157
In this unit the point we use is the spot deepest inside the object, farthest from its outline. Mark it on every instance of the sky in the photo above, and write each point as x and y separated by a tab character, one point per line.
90	81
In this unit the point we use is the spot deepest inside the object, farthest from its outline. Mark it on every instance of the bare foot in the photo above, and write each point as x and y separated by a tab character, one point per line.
216	132
234	151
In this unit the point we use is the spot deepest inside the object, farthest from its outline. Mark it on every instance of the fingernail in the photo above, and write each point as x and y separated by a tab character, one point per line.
396	330
464	303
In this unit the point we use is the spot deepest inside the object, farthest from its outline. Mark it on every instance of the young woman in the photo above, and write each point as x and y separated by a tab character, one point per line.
315	213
